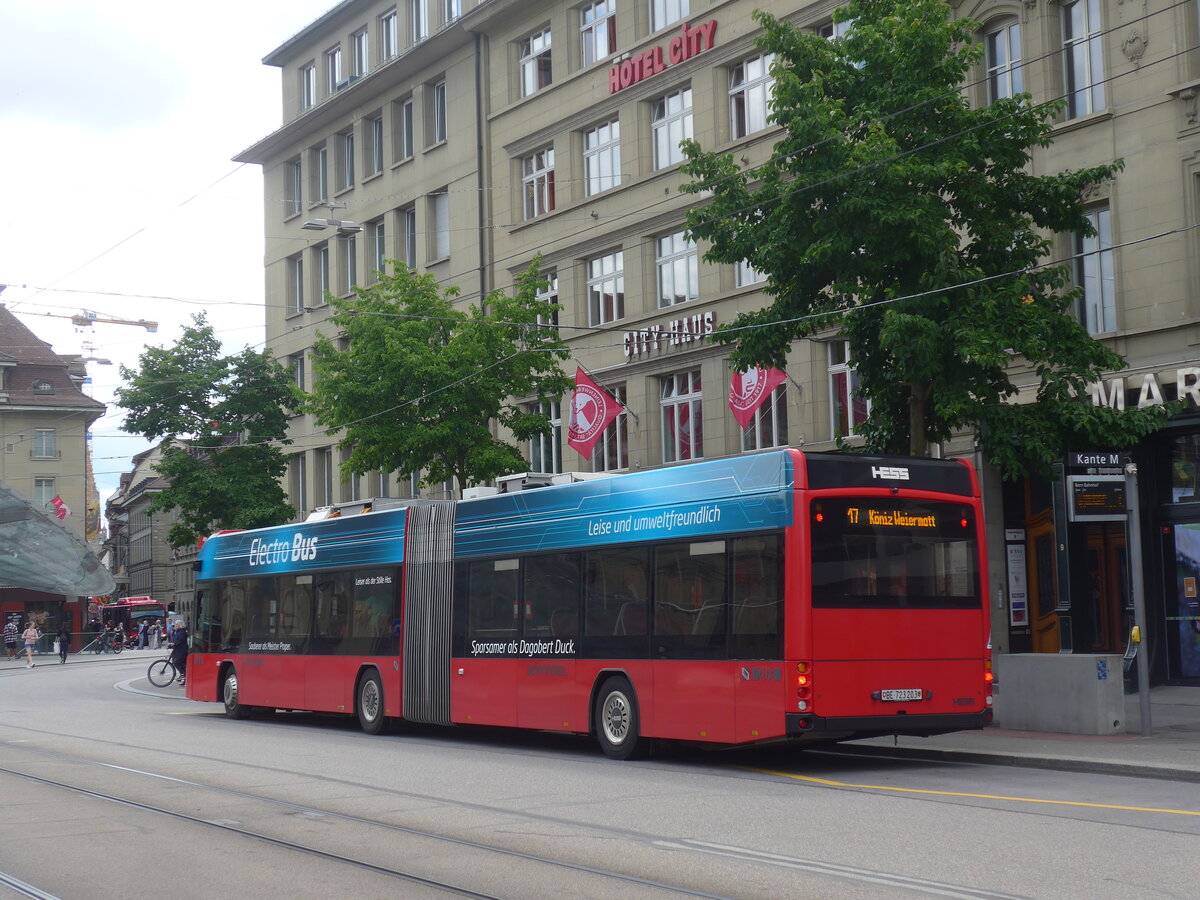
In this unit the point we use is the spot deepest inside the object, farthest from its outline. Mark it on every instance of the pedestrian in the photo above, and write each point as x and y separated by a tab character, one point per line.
141	639
10	638
64	642
155	634
179	650
31	636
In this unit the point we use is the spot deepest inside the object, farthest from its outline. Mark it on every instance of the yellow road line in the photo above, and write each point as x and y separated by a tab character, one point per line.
901	790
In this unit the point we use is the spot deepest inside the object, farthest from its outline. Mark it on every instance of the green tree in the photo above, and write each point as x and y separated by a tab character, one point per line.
225	418
421	380
896	215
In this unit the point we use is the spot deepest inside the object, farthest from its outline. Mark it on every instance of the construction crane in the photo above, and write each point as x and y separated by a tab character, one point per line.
86	318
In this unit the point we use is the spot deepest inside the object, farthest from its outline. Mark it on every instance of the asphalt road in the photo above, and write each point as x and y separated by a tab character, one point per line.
106	780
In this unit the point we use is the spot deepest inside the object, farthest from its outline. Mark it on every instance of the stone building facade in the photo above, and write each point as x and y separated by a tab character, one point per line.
463	138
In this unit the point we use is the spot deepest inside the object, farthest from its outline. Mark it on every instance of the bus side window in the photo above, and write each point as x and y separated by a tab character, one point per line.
492	600
757	595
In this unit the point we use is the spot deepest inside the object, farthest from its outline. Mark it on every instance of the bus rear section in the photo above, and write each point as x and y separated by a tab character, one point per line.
897	636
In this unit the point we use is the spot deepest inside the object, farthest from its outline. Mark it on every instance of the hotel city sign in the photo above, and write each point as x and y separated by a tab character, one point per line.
688	43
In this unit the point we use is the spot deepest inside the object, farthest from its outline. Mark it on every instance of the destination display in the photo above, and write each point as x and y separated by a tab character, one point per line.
1096	498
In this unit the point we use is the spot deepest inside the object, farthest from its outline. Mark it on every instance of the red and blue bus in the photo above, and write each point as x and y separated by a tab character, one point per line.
782	595
128	613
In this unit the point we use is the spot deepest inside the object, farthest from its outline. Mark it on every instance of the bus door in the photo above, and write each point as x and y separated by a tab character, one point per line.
483	688
694	681
547	696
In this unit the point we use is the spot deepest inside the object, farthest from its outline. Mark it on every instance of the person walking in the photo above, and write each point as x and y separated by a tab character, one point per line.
154	634
30	636
141	638
10	638
64	642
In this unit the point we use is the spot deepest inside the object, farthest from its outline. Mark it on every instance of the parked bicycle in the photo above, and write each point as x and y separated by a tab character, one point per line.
162	672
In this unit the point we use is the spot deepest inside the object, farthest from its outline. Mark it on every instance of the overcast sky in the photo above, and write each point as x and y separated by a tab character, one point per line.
119	120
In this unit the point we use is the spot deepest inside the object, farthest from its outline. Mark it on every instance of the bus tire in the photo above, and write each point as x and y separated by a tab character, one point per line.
369	703
234	708
617	720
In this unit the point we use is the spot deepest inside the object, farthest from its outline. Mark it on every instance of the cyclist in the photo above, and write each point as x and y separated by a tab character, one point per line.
179	649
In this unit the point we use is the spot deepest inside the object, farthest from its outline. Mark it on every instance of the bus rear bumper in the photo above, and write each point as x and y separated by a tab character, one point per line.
838	728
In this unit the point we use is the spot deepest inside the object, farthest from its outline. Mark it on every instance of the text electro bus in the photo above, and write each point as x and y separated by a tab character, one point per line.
785	595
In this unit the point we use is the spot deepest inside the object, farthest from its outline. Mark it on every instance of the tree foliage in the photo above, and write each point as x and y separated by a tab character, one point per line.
897	216
225	418
421	381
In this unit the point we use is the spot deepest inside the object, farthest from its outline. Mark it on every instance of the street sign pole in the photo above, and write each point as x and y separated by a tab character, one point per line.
1139	598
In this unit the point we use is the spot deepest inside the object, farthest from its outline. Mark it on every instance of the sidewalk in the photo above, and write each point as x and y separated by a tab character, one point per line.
1173	751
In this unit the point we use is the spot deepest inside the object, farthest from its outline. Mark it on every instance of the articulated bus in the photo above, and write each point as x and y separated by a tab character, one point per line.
129	612
778	596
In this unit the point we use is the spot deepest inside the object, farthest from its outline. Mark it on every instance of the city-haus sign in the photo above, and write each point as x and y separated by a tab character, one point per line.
691	41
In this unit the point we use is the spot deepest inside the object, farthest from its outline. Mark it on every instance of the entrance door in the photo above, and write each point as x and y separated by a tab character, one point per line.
1043	596
1108	598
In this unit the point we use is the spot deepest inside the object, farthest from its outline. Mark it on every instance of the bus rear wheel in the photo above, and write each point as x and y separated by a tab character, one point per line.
370	703
617	721
229	697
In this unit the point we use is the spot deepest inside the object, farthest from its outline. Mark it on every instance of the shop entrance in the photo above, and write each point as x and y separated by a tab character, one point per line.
1043	596
1107	613
1182	570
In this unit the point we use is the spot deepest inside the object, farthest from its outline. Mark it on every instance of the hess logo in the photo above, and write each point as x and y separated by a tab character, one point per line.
891	473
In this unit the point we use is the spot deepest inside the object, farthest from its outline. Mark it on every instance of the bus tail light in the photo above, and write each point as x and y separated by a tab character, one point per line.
803	686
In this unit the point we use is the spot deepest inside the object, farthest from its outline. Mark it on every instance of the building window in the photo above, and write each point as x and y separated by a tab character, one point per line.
298	370
535	62
451	10
298	482
678	270
682	418
408	236
322	272
848	410
296	283
769	427
750	85
378	237
439	214
308	87
418	21
606	288
1082	57
598	27
437	112
375	153
44	445
295	188
832	30
1097	307
325	476
1002	50
43	492
359	61
666	12
745	275
612	450
545	450
671	122
333	69
537	183
389	35
602	157
320	173
402	129
349	244
345	162
548	293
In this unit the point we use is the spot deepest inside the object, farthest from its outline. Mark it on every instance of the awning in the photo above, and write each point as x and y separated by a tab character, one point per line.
36	552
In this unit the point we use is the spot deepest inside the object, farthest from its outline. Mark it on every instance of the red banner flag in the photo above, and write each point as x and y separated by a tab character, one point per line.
749	389
61	510
592	410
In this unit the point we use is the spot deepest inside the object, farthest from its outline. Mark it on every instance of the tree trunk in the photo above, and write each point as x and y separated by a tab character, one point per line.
918	400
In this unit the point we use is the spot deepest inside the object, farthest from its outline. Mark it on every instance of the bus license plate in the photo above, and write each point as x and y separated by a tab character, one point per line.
902	694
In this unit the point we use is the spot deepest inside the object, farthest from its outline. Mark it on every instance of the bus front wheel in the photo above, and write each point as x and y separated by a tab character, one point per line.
370	703
229	697
617	720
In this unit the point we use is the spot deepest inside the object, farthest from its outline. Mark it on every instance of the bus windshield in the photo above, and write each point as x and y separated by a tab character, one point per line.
885	553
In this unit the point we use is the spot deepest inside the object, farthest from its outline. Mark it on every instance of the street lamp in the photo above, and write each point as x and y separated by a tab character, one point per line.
342	227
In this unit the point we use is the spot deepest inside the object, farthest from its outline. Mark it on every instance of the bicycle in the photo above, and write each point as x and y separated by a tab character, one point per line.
162	672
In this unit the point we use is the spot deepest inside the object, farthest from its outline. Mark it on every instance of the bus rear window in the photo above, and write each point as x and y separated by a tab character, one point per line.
883	553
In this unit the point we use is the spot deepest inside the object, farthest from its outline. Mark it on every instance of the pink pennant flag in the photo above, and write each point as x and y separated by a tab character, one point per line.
61	510
592	410
749	389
